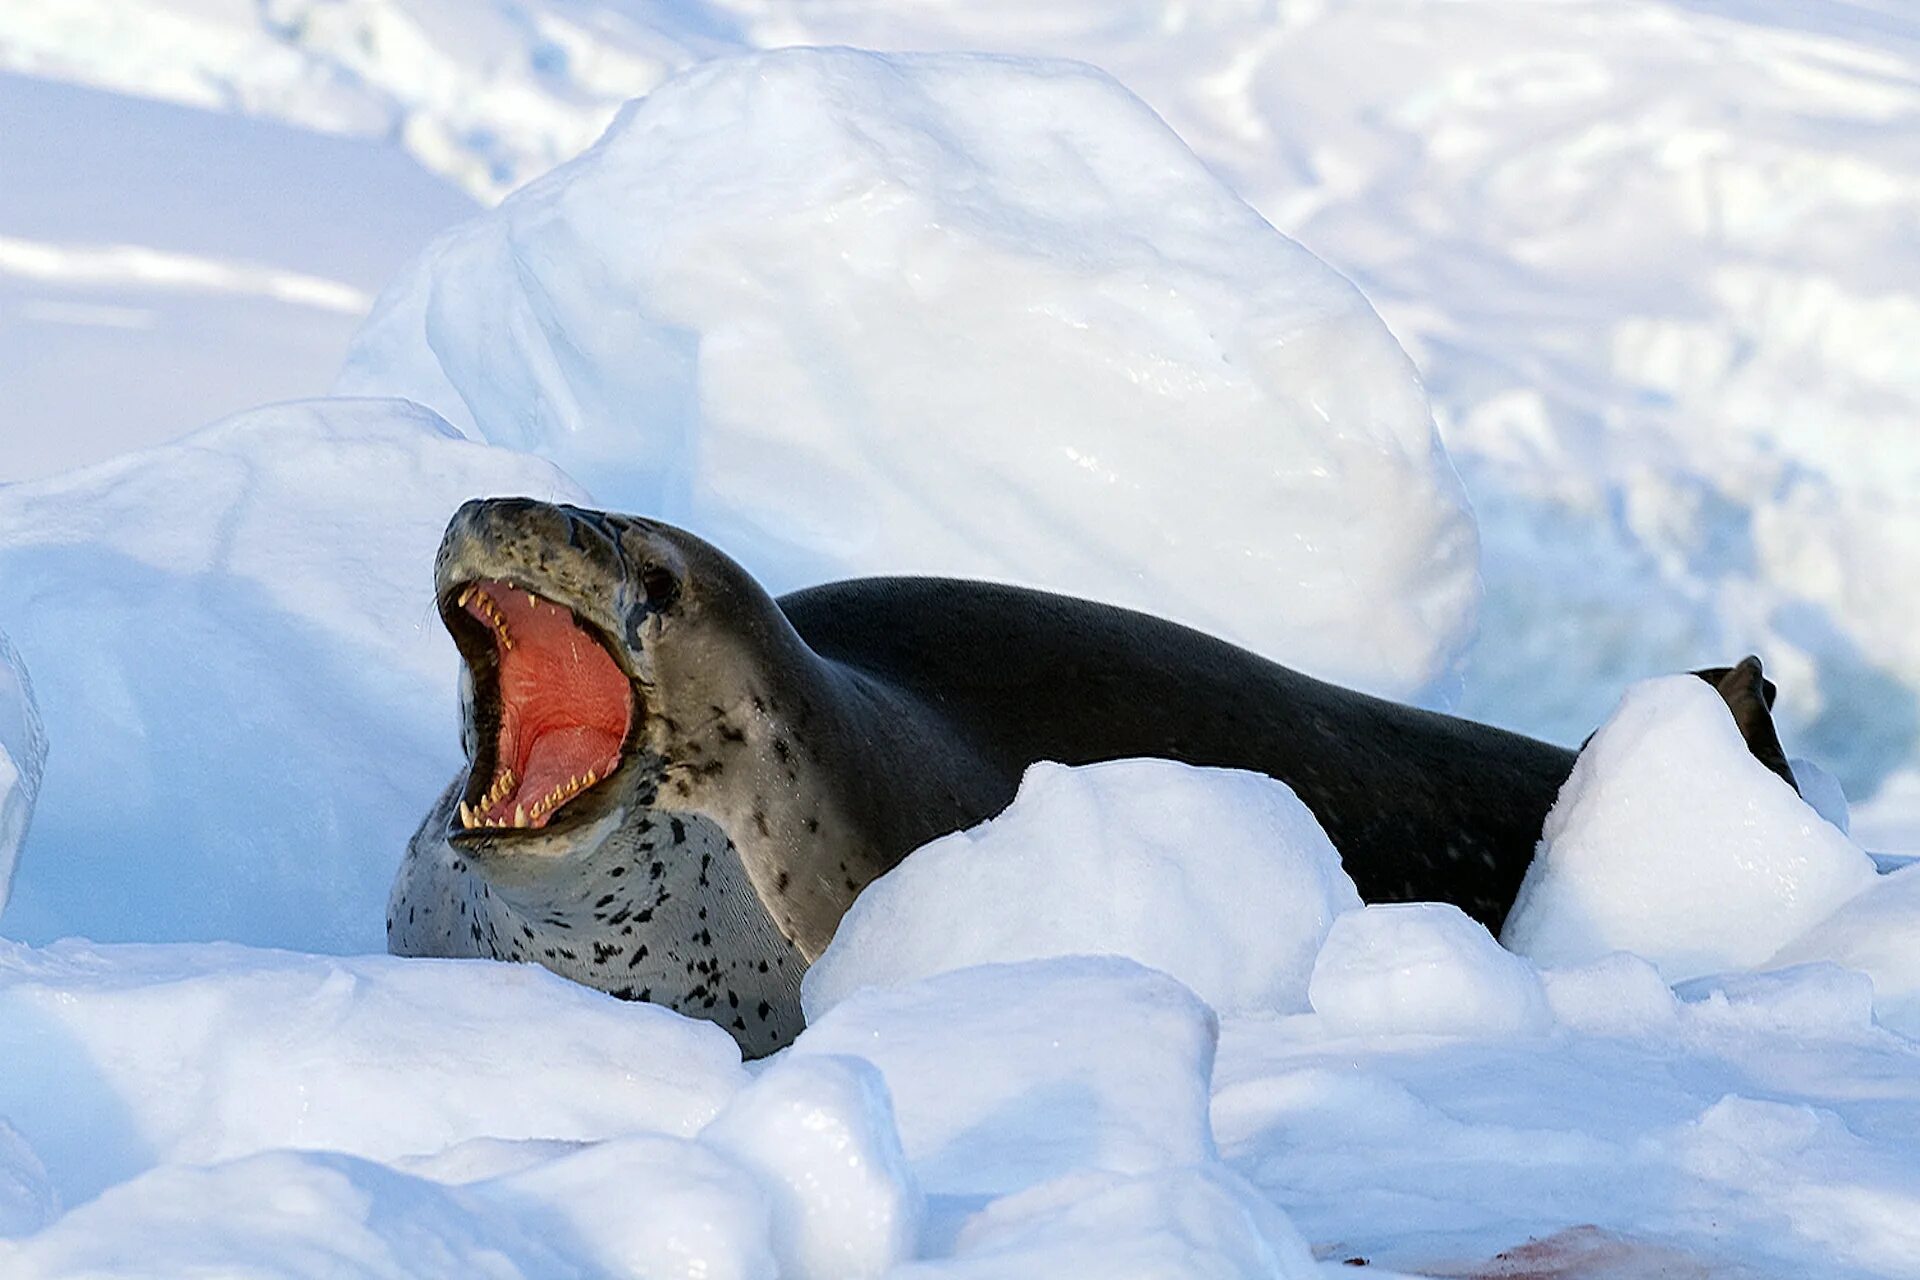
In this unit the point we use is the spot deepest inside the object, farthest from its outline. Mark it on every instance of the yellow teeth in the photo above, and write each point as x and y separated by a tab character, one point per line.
524	815
501	786
485	604
559	796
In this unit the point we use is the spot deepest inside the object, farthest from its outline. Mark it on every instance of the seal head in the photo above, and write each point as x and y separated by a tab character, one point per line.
612	695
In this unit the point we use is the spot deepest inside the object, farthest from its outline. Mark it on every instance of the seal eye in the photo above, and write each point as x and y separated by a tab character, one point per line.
660	584
562	706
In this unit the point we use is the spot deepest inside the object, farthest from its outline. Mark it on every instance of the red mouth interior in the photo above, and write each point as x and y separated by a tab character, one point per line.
565	707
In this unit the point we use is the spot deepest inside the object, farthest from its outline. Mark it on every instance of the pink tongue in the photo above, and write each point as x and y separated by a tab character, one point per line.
561	757
565	704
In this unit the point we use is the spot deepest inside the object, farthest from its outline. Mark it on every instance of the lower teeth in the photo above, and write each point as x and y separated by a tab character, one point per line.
478	815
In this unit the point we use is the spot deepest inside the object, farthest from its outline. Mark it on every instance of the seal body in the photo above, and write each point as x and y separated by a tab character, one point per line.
677	785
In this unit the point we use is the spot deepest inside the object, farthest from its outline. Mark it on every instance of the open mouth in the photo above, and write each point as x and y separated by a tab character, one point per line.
553	707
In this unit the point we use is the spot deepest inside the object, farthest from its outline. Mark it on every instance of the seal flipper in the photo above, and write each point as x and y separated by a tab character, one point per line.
1749	696
1716	675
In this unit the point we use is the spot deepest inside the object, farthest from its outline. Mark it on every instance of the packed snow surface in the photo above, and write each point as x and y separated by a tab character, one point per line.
1219	877
250	1112
846	314
1671	841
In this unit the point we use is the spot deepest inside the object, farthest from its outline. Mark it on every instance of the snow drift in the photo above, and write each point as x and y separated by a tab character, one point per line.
849	314
235	635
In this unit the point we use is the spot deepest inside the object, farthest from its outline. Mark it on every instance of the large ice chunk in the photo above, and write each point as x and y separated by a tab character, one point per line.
1219	877
1423	967
23	756
1670	840
1004	1075
235	633
121	1057
848	313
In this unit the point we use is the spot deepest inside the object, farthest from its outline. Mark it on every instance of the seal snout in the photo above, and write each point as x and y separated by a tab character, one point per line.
559	706
530	604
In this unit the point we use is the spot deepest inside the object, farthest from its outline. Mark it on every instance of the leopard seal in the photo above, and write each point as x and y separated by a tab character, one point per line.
676	784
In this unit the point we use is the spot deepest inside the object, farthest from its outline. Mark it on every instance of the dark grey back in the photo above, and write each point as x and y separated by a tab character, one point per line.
1422	806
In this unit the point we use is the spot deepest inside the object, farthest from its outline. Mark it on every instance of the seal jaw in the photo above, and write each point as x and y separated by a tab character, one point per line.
556	712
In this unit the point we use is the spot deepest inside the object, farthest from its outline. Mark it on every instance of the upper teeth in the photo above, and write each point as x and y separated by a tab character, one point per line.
484	602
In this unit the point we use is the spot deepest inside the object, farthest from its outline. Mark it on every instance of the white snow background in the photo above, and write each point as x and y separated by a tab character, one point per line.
845	313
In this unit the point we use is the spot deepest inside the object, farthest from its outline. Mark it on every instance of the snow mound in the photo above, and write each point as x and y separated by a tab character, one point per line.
1878	933
1219	877
819	1131
1671	841
1422	967
23	758
236	632
373	1056
1201	1221
1006	1075
845	314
